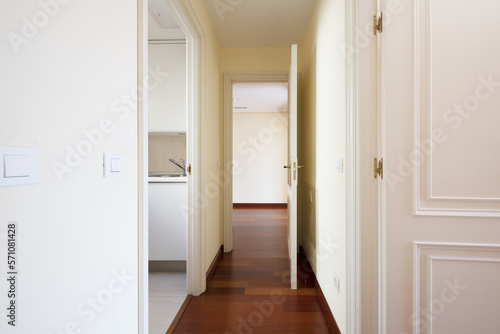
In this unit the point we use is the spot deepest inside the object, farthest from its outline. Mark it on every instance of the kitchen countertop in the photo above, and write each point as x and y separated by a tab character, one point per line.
167	179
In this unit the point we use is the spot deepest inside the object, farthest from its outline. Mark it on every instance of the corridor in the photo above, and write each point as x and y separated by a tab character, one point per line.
250	291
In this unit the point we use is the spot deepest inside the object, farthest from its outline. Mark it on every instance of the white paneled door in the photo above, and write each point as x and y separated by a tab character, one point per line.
441	150
292	167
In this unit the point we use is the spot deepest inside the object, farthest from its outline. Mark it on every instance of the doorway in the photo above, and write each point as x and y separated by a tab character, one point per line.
167	167
245	147
260	134
195	264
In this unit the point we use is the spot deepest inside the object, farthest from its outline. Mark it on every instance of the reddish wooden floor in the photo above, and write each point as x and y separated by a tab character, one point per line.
249	292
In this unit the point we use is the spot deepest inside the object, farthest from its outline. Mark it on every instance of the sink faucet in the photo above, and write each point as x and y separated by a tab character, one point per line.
183	166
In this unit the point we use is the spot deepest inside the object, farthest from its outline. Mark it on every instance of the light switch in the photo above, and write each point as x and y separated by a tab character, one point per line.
340	165
113	165
19	165
336	281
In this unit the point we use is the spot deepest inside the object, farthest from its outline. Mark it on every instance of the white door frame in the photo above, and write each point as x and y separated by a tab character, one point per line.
382	187
195	43
229	79
353	176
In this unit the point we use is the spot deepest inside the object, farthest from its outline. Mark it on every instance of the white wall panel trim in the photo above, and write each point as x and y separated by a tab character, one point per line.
425	201
435	251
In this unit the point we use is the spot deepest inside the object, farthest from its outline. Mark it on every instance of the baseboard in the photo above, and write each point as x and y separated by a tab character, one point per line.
259	205
211	269
167	266
330	319
178	317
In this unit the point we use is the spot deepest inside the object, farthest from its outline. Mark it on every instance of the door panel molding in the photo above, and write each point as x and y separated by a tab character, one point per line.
432	130
427	257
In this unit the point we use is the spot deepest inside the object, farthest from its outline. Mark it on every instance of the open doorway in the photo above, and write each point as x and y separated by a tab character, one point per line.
188	25
167	167
246	148
260	144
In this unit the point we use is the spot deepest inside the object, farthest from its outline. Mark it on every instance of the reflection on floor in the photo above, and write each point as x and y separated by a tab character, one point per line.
167	292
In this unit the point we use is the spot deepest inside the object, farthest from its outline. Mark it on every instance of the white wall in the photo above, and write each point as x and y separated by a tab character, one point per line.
260	144
77	232
167	100
322	65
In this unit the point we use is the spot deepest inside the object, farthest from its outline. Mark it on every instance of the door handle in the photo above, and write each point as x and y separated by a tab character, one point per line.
286	167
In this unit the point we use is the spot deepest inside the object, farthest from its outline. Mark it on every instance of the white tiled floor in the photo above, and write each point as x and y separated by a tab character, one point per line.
167	292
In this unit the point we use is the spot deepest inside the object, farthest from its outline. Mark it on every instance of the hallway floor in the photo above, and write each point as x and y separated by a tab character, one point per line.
250	290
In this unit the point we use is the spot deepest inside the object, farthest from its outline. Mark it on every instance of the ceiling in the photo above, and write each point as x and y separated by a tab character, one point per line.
162	24
260	97
237	28
260	23
241	23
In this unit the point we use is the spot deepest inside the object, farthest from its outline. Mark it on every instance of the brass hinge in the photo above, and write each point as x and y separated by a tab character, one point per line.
378	168
377	24
189	169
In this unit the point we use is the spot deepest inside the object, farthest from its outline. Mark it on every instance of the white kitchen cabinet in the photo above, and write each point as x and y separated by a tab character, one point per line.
167	87
167	221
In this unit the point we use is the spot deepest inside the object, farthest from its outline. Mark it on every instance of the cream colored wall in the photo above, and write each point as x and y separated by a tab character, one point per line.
212	136
255	59
261	177
307	149
323	72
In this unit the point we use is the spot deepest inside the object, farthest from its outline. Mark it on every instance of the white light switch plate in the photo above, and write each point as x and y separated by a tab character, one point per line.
336	281
19	165
339	165
113	165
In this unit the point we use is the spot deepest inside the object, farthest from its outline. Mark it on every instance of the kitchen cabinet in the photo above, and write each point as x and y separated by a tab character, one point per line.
168	219
167	87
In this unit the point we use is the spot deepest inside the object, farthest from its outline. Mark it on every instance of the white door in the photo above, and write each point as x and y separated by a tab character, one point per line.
441	90
292	167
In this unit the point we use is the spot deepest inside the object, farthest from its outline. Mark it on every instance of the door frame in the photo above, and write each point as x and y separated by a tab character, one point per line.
353	175
229	79
382	188
195	44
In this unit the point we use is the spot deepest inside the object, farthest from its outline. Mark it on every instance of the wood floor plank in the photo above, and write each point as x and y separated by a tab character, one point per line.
225	291
287	292
178	317
249	291
227	284
302	304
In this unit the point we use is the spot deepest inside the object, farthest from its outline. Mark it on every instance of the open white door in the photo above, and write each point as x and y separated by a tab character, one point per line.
292	168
